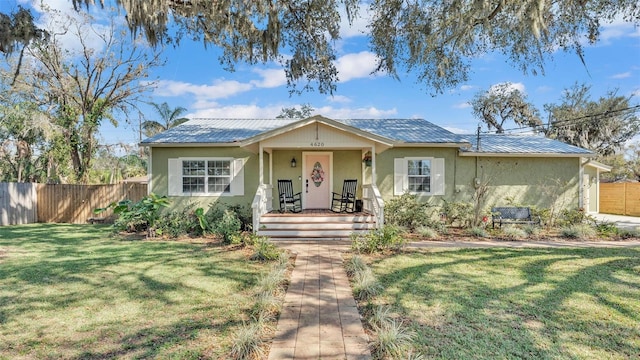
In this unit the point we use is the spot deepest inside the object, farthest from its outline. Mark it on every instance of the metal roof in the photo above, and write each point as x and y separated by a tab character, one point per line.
521	144
409	131
224	131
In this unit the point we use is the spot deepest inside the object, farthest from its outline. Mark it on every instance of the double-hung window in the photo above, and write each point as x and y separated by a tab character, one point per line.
206	177
420	176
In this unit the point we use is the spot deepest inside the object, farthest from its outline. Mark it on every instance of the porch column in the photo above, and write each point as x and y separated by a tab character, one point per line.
373	163
261	166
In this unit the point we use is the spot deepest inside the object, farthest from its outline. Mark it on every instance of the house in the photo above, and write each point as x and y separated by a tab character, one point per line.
238	162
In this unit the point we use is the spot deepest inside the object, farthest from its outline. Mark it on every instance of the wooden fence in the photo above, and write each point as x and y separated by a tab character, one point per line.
18	203
620	198
24	203
66	203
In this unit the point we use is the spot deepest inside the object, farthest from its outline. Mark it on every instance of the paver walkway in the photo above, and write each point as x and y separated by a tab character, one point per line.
319	319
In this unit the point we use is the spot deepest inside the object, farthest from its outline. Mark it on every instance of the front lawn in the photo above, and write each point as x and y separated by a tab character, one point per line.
517	303
75	291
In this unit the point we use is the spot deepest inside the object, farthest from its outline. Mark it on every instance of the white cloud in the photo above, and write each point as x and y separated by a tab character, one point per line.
339	99
457	130
271	78
462	105
467	87
356	65
218	90
623	75
237	111
618	28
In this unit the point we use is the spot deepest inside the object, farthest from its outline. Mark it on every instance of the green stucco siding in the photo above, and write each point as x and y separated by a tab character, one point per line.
159	181
591	175
530	181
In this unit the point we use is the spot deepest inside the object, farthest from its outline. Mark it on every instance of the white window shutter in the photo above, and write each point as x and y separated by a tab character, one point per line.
437	176
399	176
237	181
175	177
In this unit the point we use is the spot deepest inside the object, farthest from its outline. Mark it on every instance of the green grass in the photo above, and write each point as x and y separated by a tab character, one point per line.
75	291
518	303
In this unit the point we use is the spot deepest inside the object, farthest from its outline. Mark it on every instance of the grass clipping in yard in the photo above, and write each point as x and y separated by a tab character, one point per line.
517	303
69	291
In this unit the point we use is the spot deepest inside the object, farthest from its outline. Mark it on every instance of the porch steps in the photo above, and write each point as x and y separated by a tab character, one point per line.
326	226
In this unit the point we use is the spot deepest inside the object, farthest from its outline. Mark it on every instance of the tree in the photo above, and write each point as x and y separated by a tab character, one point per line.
603	126
436	40
17	30
80	90
168	118
502	103
294	113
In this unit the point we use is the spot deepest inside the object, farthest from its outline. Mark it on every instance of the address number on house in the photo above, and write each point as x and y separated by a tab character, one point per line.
317	144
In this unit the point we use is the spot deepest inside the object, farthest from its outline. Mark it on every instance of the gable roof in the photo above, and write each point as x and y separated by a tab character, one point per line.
520	145
236	131
393	132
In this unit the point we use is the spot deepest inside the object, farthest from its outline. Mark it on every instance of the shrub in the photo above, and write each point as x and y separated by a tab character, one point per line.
365	284
629	233
133	217
177	223
428	232
406	211
272	280
607	229
578	231
265	250
574	217
267	306
378	240
512	232
459	213
216	212
392	340
477	231
247	342
355	265
228	226
531	230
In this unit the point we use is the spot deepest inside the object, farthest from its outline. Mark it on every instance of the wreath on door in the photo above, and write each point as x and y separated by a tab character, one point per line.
317	174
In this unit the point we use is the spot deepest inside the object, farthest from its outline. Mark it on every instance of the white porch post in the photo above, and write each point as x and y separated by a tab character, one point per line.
261	166
373	163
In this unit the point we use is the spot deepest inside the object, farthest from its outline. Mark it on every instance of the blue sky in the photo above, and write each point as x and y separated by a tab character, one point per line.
192	78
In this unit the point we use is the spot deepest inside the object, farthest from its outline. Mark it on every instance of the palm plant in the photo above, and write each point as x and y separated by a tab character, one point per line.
169	118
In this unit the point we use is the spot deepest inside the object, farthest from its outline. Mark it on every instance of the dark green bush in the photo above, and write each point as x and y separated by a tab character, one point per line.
407	212
458	213
389	237
139	216
216	212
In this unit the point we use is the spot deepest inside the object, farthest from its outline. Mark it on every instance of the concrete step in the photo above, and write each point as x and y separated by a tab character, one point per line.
339	225
312	233
292	218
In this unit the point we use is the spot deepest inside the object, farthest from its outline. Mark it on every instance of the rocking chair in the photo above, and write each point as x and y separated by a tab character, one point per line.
288	200
346	201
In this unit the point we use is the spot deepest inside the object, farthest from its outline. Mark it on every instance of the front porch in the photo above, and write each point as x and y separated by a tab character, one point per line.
316	223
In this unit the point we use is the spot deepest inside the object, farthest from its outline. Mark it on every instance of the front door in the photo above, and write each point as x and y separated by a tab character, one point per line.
317	180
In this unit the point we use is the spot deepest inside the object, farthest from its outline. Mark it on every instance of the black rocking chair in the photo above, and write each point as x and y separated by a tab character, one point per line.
288	200
346	201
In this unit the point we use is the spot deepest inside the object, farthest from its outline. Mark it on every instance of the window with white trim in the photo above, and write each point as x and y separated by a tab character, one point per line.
206	177
417	175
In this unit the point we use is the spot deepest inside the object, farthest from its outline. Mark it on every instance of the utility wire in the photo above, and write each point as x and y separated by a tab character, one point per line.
568	122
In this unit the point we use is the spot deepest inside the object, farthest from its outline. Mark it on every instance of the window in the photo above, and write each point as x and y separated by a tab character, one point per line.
200	176
421	176
206	177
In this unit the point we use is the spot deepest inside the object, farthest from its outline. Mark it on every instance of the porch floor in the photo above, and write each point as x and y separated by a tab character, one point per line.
316	212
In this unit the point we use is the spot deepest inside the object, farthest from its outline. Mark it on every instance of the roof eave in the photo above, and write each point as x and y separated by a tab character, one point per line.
231	144
511	154
434	144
